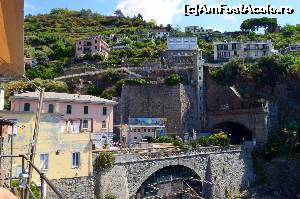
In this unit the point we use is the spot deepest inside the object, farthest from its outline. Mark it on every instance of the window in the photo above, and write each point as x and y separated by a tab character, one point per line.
26	106
44	160
104	111
148	130
86	110
18	171
145	130
85	124
96	41
50	108
104	124
139	130
69	109
75	160
134	130
96	47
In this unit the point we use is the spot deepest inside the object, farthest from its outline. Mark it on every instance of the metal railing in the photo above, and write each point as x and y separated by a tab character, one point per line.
24	175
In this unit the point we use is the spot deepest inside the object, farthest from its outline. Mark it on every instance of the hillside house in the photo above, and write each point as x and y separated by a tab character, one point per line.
93	45
224	51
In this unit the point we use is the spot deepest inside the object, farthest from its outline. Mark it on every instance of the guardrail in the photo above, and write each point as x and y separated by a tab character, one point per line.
23	179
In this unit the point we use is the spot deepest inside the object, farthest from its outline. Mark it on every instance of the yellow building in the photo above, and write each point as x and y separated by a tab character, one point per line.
60	152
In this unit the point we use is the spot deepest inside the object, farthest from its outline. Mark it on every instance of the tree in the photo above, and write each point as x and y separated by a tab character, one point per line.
139	16
254	24
288	30
119	13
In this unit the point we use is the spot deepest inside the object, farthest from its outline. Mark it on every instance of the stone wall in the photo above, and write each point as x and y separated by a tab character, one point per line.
176	103
78	187
226	168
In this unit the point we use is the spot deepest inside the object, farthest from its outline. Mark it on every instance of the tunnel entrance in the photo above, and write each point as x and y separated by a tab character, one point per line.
171	182
238	132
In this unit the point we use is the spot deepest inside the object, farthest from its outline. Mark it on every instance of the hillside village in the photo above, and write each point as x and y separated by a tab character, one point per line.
117	89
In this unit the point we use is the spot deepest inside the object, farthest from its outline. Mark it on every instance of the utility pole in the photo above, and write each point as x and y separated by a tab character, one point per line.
34	140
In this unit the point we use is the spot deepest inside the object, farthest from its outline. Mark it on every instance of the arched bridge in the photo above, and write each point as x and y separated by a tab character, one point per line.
217	168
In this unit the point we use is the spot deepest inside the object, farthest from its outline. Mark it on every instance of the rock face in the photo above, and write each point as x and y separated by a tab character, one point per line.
282	178
226	168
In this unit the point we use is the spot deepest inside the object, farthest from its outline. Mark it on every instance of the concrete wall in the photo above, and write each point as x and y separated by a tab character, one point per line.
225	168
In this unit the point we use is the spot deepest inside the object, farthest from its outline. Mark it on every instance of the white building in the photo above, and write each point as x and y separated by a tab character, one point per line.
158	33
197	30
223	51
182	43
294	47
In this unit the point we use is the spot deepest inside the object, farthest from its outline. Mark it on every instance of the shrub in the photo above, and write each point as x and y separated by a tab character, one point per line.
105	160
164	139
173	80
193	144
178	143
110	196
219	139
203	141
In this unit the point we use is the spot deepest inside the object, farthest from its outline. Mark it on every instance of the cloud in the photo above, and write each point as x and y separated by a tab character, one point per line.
229	18
163	11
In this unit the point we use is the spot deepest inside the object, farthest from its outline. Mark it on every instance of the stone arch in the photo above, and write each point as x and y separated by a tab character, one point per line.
158	167
238	132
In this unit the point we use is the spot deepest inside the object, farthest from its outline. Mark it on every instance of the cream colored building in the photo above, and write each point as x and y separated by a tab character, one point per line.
59	154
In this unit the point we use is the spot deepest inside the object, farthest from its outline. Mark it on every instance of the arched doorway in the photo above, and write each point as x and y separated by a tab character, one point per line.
238	132
171	182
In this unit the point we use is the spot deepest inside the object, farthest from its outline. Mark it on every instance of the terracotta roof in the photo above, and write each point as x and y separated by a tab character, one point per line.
51	96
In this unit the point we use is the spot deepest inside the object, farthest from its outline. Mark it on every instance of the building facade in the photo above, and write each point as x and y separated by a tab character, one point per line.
182	43
59	154
140	129
197	30
223	51
180	51
158	33
93	45
80	113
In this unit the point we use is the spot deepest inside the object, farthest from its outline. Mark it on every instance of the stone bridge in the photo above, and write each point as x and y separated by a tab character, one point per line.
220	168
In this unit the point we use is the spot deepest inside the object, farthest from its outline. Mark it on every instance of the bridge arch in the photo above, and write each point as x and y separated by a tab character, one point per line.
198	170
238	132
171	178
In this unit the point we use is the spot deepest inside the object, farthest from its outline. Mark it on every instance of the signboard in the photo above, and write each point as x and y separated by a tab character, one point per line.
11	39
147	121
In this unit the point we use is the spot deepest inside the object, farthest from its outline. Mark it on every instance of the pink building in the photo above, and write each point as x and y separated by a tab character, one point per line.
80	112
93	45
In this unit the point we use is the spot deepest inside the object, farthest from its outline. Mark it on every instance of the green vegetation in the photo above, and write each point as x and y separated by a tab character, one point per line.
110	196
203	141
285	141
219	139
50	39
178	143
105	160
173	80
267	71
164	139
256	23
